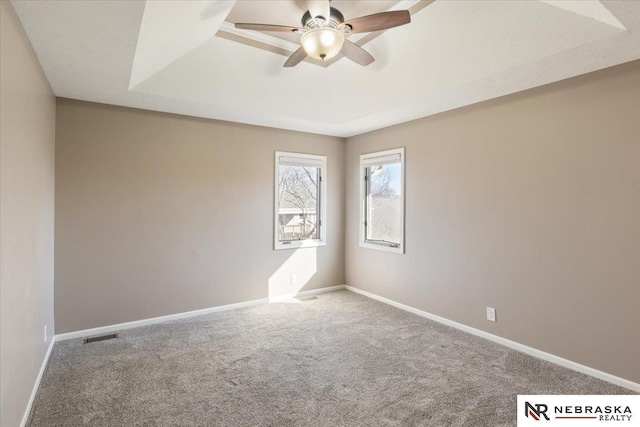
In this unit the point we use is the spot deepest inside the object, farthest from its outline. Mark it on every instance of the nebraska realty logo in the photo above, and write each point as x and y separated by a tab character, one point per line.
578	410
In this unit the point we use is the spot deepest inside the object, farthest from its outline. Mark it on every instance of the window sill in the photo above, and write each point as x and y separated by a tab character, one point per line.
298	244
386	248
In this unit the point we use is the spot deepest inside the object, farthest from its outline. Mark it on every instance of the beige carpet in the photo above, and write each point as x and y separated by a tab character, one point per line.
339	360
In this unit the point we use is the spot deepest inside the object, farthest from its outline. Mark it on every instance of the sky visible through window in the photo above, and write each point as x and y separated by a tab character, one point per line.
384	209
298	206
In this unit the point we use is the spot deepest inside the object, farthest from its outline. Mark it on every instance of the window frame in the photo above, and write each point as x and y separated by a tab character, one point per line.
364	202
322	193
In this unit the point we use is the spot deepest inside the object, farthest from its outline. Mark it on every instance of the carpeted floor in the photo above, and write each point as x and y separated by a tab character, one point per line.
340	359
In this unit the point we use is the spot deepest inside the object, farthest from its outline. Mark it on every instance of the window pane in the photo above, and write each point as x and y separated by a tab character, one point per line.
298	207
384	203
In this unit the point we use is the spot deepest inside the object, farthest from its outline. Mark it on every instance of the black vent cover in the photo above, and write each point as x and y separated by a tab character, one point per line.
100	338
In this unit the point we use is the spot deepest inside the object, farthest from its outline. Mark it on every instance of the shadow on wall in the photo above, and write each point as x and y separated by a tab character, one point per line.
293	274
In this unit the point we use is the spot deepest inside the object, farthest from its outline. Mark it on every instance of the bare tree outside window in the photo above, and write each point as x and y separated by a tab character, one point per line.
382	200
298	207
384	207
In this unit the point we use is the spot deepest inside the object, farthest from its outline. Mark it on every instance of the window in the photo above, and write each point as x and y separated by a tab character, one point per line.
382	200
300	208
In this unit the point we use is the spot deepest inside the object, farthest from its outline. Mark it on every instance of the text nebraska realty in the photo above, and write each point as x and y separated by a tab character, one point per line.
601	413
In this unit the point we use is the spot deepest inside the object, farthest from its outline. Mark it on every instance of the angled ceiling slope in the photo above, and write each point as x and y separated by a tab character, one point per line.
187	58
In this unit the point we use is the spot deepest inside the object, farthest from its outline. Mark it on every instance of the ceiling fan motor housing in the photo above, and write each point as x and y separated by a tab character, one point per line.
336	18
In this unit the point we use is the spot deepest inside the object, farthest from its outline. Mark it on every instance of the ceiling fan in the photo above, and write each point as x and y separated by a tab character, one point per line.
324	31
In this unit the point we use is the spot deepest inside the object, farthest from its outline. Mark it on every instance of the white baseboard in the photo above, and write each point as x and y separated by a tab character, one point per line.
36	385
508	343
144	322
153	320
311	292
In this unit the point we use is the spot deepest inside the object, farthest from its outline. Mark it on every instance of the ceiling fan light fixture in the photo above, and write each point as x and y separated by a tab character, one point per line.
322	43
324	32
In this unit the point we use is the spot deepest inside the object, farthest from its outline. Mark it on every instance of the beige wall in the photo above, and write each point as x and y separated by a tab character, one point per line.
159	214
529	204
27	132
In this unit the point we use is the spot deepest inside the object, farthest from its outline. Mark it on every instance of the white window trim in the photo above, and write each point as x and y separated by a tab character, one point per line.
363	189
309	243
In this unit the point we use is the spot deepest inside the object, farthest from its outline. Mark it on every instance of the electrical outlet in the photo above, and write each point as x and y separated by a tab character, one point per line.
45	333
294	279
491	314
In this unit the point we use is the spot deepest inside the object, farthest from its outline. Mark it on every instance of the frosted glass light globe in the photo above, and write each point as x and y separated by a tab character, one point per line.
322	43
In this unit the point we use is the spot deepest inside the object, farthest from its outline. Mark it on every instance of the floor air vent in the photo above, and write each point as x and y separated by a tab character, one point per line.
307	298
100	338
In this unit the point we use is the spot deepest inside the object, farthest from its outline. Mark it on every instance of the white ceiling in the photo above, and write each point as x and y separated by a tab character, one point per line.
165	56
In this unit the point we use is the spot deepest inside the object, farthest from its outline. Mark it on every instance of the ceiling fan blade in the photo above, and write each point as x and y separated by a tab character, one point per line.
319	8
379	21
267	27
356	53
296	57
